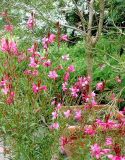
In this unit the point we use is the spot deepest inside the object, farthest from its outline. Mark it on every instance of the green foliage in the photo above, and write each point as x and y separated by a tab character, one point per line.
24	125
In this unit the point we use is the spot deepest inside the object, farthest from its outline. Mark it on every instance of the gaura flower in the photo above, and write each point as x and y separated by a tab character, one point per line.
112	157
47	63
64	86
33	63
89	130
100	86
31	22
53	75
71	68
109	141
9	46
37	88
67	113
78	115
66	76
64	37
65	57
55	126
54	115
8	28
48	40
97	152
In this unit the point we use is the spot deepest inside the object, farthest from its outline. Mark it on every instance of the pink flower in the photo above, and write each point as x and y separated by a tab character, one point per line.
118	79
8	28
10	47
109	124
65	57
51	38
48	40
67	113
47	63
64	37
33	63
59	106
53	102
112	157
97	152
43	88
105	151
63	142
78	115
74	91
66	76
5	90
109	141
45	43
10	98
5	45
4	14
32	49
27	72
31	22
54	126
13	47
54	115
53	75
93	94
93	103
35	72
86	97
100	86
89	130
71	68
37	88
123	111
3	83
21	57
64	86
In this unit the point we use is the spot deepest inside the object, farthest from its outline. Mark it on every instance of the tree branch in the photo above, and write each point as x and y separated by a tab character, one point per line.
80	15
100	25
120	30
91	13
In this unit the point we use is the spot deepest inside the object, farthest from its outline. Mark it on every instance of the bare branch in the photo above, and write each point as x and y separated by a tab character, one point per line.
77	29
80	15
91	13
120	30
100	25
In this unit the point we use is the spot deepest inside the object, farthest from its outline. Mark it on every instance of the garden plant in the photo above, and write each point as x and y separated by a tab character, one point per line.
60	102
